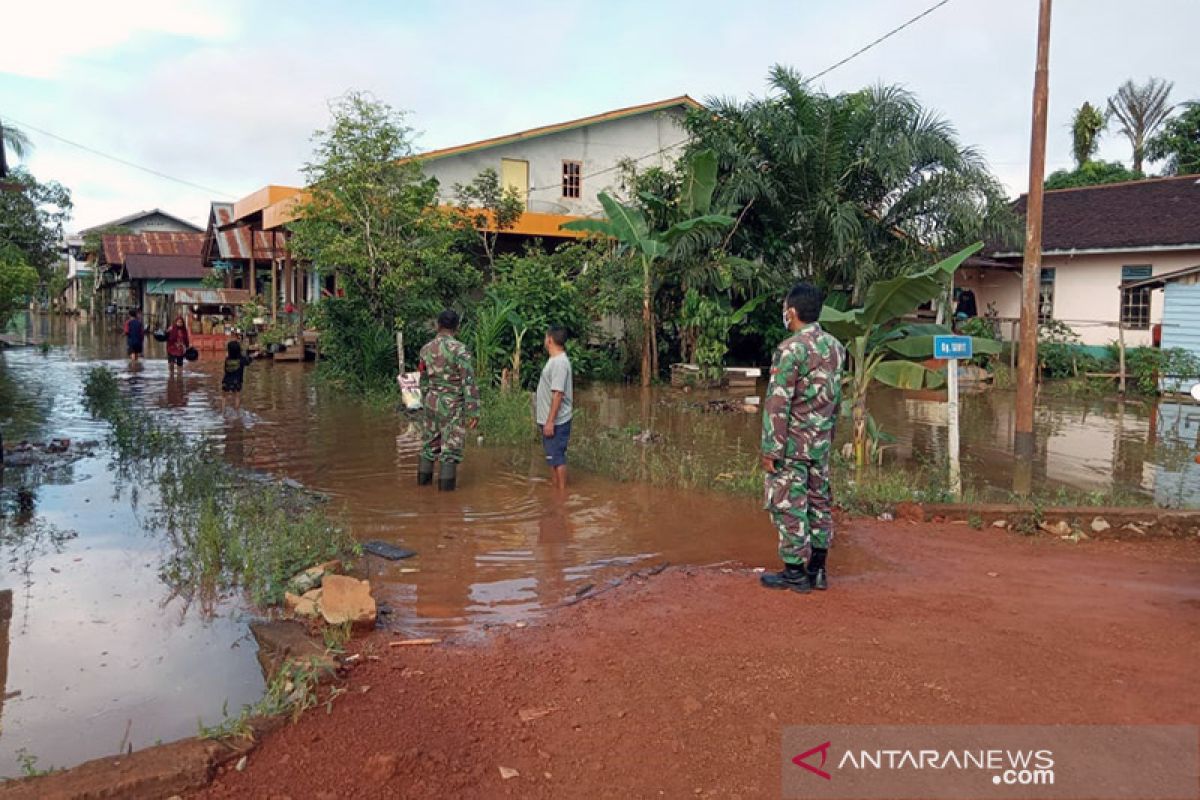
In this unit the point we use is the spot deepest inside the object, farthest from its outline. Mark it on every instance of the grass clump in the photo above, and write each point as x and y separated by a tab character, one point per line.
226	534
292	690
506	417
227	528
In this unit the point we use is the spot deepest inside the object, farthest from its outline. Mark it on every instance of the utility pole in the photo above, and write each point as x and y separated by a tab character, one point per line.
1031	272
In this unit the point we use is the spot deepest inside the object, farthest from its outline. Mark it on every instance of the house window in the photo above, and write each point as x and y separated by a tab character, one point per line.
1046	296
1135	303
572	179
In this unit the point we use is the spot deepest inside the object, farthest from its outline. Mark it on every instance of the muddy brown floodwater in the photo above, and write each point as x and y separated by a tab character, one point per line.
100	657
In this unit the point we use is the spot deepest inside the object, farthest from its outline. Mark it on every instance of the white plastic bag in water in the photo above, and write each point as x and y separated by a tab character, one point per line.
410	390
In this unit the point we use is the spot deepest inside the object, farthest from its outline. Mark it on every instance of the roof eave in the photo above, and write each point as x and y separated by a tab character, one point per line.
560	127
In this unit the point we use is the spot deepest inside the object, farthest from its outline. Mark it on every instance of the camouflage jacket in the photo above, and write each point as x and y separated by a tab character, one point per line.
448	371
804	396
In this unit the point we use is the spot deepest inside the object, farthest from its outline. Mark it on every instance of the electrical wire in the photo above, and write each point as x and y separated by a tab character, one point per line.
118	159
881	39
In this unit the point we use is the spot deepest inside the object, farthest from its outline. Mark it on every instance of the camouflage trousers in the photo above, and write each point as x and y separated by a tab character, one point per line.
443	430
800	504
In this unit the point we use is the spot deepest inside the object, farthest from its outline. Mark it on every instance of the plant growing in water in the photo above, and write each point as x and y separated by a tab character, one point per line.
705	324
628	224
882	348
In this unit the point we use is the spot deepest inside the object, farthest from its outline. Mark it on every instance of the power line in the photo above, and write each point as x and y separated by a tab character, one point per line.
120	160
883	38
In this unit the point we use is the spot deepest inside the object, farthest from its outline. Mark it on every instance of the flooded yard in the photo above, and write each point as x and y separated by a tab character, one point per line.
101	656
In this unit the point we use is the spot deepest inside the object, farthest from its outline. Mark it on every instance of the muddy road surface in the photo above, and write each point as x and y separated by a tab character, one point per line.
680	685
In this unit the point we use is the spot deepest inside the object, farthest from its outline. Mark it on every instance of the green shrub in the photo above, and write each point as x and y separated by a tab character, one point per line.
1145	365
1059	351
358	353
506	418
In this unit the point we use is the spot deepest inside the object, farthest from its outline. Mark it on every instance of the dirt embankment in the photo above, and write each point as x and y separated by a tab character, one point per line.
680	685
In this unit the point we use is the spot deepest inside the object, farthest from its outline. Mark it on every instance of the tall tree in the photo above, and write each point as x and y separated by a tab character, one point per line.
372	218
1141	110
1087	124
847	189
488	209
1178	143
14	140
32	215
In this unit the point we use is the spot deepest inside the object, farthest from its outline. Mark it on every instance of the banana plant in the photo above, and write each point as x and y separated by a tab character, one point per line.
627	224
882	348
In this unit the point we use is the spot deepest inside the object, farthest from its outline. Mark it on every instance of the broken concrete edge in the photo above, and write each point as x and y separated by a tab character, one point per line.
153	773
1146	522
186	765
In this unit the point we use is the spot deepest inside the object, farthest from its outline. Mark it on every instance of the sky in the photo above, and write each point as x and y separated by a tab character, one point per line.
226	95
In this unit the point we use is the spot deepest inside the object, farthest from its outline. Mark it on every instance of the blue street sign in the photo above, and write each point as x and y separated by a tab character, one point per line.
953	347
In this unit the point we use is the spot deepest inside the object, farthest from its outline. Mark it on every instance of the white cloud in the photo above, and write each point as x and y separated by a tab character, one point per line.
42	39
235	108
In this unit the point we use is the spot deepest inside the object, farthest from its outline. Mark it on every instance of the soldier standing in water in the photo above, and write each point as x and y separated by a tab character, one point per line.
803	400
450	402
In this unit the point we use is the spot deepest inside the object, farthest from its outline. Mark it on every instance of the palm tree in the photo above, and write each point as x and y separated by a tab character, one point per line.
1086	126
1141	110
15	140
847	189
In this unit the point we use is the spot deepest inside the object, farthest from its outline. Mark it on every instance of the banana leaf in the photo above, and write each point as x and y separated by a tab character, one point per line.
699	183
907	375
895	297
922	346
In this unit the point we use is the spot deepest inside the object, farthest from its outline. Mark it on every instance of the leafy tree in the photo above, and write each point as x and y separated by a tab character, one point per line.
1178	143
883	348
32	216
12	140
1141	110
1093	173
18	281
628	224
488	209
372	217
849	189
1087	124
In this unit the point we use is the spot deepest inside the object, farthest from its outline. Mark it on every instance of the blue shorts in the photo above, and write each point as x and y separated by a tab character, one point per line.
556	445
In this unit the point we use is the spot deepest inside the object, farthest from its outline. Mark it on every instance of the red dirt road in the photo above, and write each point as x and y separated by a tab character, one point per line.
680	686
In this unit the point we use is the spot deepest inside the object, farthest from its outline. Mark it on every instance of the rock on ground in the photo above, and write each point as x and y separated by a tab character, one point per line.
345	599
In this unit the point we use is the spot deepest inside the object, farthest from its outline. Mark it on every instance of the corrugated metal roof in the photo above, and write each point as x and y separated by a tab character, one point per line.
212	297
158	243
140	266
233	240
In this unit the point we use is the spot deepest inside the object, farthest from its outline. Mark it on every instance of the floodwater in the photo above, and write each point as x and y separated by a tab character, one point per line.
100	657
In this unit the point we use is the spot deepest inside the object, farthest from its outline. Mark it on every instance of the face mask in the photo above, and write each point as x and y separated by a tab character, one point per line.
786	324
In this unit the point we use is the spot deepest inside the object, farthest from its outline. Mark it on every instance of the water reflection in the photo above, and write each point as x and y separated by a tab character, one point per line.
96	641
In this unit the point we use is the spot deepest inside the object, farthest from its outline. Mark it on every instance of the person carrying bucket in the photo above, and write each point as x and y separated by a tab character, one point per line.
178	342
450	402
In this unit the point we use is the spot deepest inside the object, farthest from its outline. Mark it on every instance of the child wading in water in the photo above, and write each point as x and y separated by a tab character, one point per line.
235	369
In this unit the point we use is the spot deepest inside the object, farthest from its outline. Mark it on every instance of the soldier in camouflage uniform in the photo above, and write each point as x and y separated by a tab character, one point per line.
450	402
799	416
